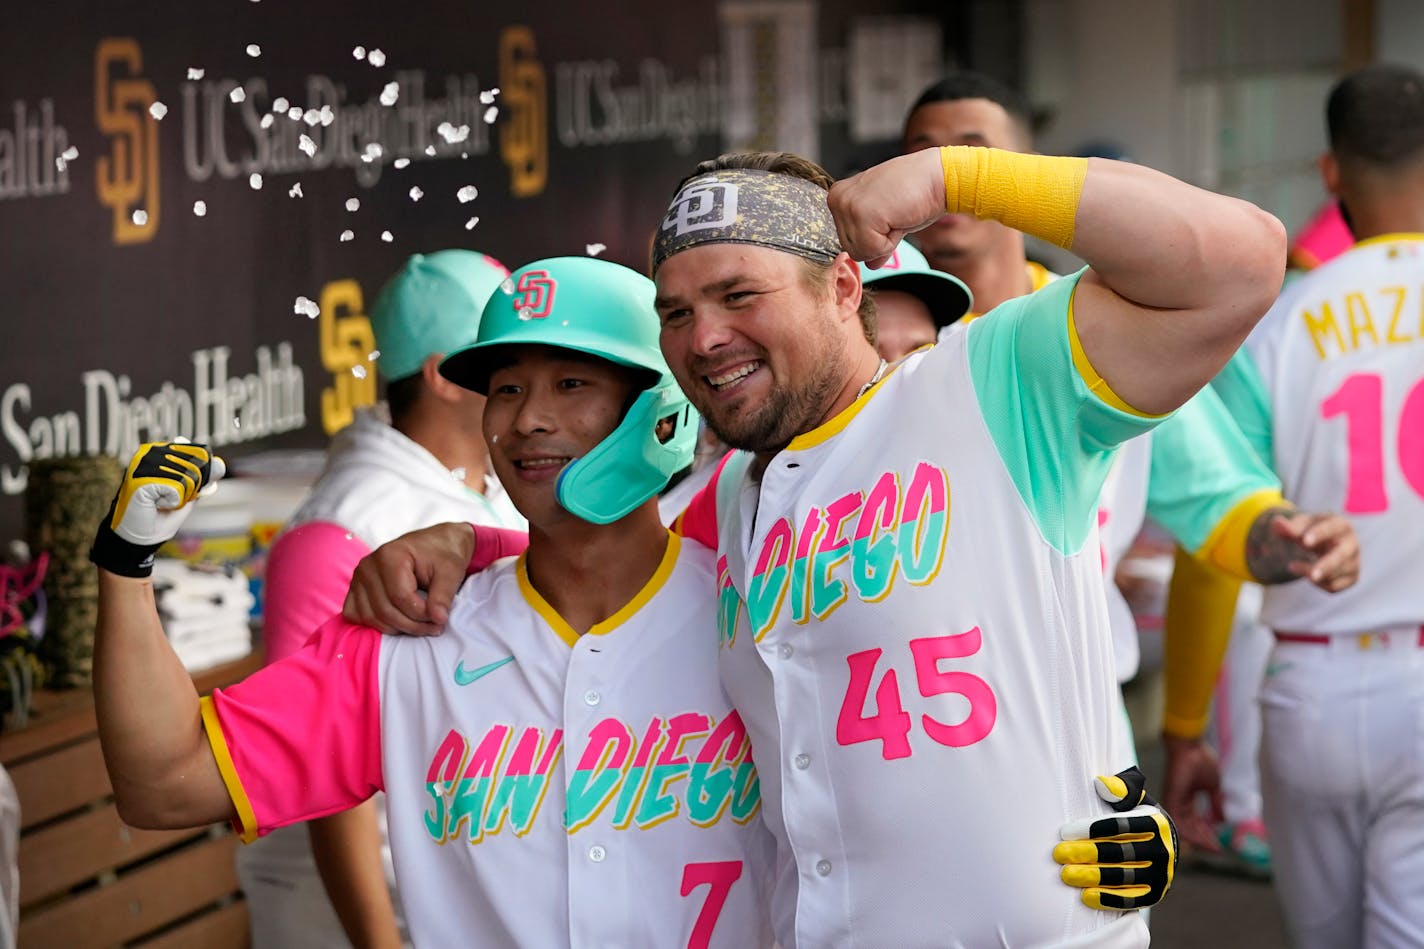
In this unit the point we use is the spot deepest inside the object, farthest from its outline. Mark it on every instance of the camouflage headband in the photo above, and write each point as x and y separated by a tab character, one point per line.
746	206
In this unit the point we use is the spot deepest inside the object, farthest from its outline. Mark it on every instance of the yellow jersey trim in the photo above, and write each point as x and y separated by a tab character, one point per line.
567	633
246	822
1390	238
837	423
1096	384
1225	547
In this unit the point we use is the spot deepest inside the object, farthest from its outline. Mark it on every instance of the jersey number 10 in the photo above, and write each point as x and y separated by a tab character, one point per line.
1360	399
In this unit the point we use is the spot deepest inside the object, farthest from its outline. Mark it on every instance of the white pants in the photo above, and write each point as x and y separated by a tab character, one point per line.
1236	715
1342	767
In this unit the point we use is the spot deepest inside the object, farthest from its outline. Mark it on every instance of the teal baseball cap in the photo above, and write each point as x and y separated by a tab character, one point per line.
432	305
908	271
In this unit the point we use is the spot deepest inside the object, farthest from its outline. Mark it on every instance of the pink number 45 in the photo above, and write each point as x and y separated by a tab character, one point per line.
891	724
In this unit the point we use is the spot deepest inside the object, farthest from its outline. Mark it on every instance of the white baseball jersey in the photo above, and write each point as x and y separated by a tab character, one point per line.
1340	360
914	631
543	789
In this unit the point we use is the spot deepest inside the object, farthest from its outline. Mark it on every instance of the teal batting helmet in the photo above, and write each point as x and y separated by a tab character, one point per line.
907	271
432	305
606	310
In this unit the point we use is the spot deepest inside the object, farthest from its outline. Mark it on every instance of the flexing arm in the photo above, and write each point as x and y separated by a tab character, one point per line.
150	726
1178	275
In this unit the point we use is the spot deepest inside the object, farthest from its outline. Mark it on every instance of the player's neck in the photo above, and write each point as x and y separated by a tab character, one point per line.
587	572
1401	212
863	367
998	276
453	447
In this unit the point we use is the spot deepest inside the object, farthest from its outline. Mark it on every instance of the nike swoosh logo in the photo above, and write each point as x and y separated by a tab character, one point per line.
465	678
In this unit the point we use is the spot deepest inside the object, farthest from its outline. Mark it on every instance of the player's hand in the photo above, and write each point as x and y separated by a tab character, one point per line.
1192	771
1125	862
407	585
153	501
879	206
1329	551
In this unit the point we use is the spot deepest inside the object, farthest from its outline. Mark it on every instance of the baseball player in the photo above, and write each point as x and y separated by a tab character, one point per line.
1332	380
428	464
562	767
839	571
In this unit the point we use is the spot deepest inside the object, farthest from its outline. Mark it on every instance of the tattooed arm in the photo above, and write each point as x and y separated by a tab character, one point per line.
1285	544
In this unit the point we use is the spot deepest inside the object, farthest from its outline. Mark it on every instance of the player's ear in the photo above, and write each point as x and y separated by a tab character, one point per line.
1330	172
438	386
846	286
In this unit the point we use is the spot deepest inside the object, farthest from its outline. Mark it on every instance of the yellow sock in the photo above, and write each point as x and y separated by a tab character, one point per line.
1036	194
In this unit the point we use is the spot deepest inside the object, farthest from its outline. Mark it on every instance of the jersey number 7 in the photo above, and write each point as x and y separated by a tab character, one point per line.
891	723
719	877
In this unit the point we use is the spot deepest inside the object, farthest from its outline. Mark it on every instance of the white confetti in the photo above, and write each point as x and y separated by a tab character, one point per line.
491	114
593	250
311	116
373	151
347	236
416	194
267	120
464	154
200	208
452	134
255	181
65	157
430	150
307	308
295	191
307	145
140	217
373	355
386	236
238	94
280	104
253	49
158	110
467	194
401	162
295	113
358	371
488	95
508	285
470	224
195	73
526	313
359	52
327	116
390	93
353	204
237	422
376	58
458	474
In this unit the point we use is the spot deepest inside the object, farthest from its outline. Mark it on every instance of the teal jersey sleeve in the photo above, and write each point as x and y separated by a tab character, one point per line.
1202	468
1055	435
1243	392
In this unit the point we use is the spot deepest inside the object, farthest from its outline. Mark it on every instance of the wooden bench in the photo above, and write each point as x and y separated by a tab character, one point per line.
87	880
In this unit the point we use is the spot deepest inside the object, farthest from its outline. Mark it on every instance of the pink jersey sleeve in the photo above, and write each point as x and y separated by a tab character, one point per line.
699	522
309	569
301	738
494	543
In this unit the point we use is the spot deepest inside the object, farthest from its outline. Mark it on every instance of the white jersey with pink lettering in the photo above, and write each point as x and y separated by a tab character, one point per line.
543	788
1340	365
915	632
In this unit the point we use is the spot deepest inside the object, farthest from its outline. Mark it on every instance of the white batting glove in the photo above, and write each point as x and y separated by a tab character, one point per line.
152	502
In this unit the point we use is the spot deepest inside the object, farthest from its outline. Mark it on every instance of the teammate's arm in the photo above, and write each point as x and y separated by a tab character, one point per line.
1178	275
347	849
150	726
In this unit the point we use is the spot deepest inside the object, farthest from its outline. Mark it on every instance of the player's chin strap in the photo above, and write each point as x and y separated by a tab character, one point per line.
1124	862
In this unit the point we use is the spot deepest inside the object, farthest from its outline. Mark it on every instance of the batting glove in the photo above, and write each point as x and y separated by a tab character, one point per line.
1124	862
152	504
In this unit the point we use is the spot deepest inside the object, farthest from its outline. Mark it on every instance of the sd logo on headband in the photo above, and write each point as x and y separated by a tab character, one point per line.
703	204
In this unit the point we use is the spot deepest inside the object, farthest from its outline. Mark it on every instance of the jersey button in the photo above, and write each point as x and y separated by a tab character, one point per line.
786	650
591	698
597	853
823	867
802	762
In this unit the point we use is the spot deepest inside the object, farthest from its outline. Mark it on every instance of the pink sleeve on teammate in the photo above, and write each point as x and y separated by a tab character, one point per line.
699	521
494	543
309	570
301	738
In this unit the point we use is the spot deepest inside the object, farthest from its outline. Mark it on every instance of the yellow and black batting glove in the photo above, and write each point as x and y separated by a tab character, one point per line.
1124	862
153	502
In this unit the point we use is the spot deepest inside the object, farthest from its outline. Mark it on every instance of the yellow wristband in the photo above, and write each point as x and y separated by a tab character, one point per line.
1036	194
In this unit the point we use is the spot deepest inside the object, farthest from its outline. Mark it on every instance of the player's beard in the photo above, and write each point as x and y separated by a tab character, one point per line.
769	424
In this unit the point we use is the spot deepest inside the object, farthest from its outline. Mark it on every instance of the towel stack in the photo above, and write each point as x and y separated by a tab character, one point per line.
205	612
